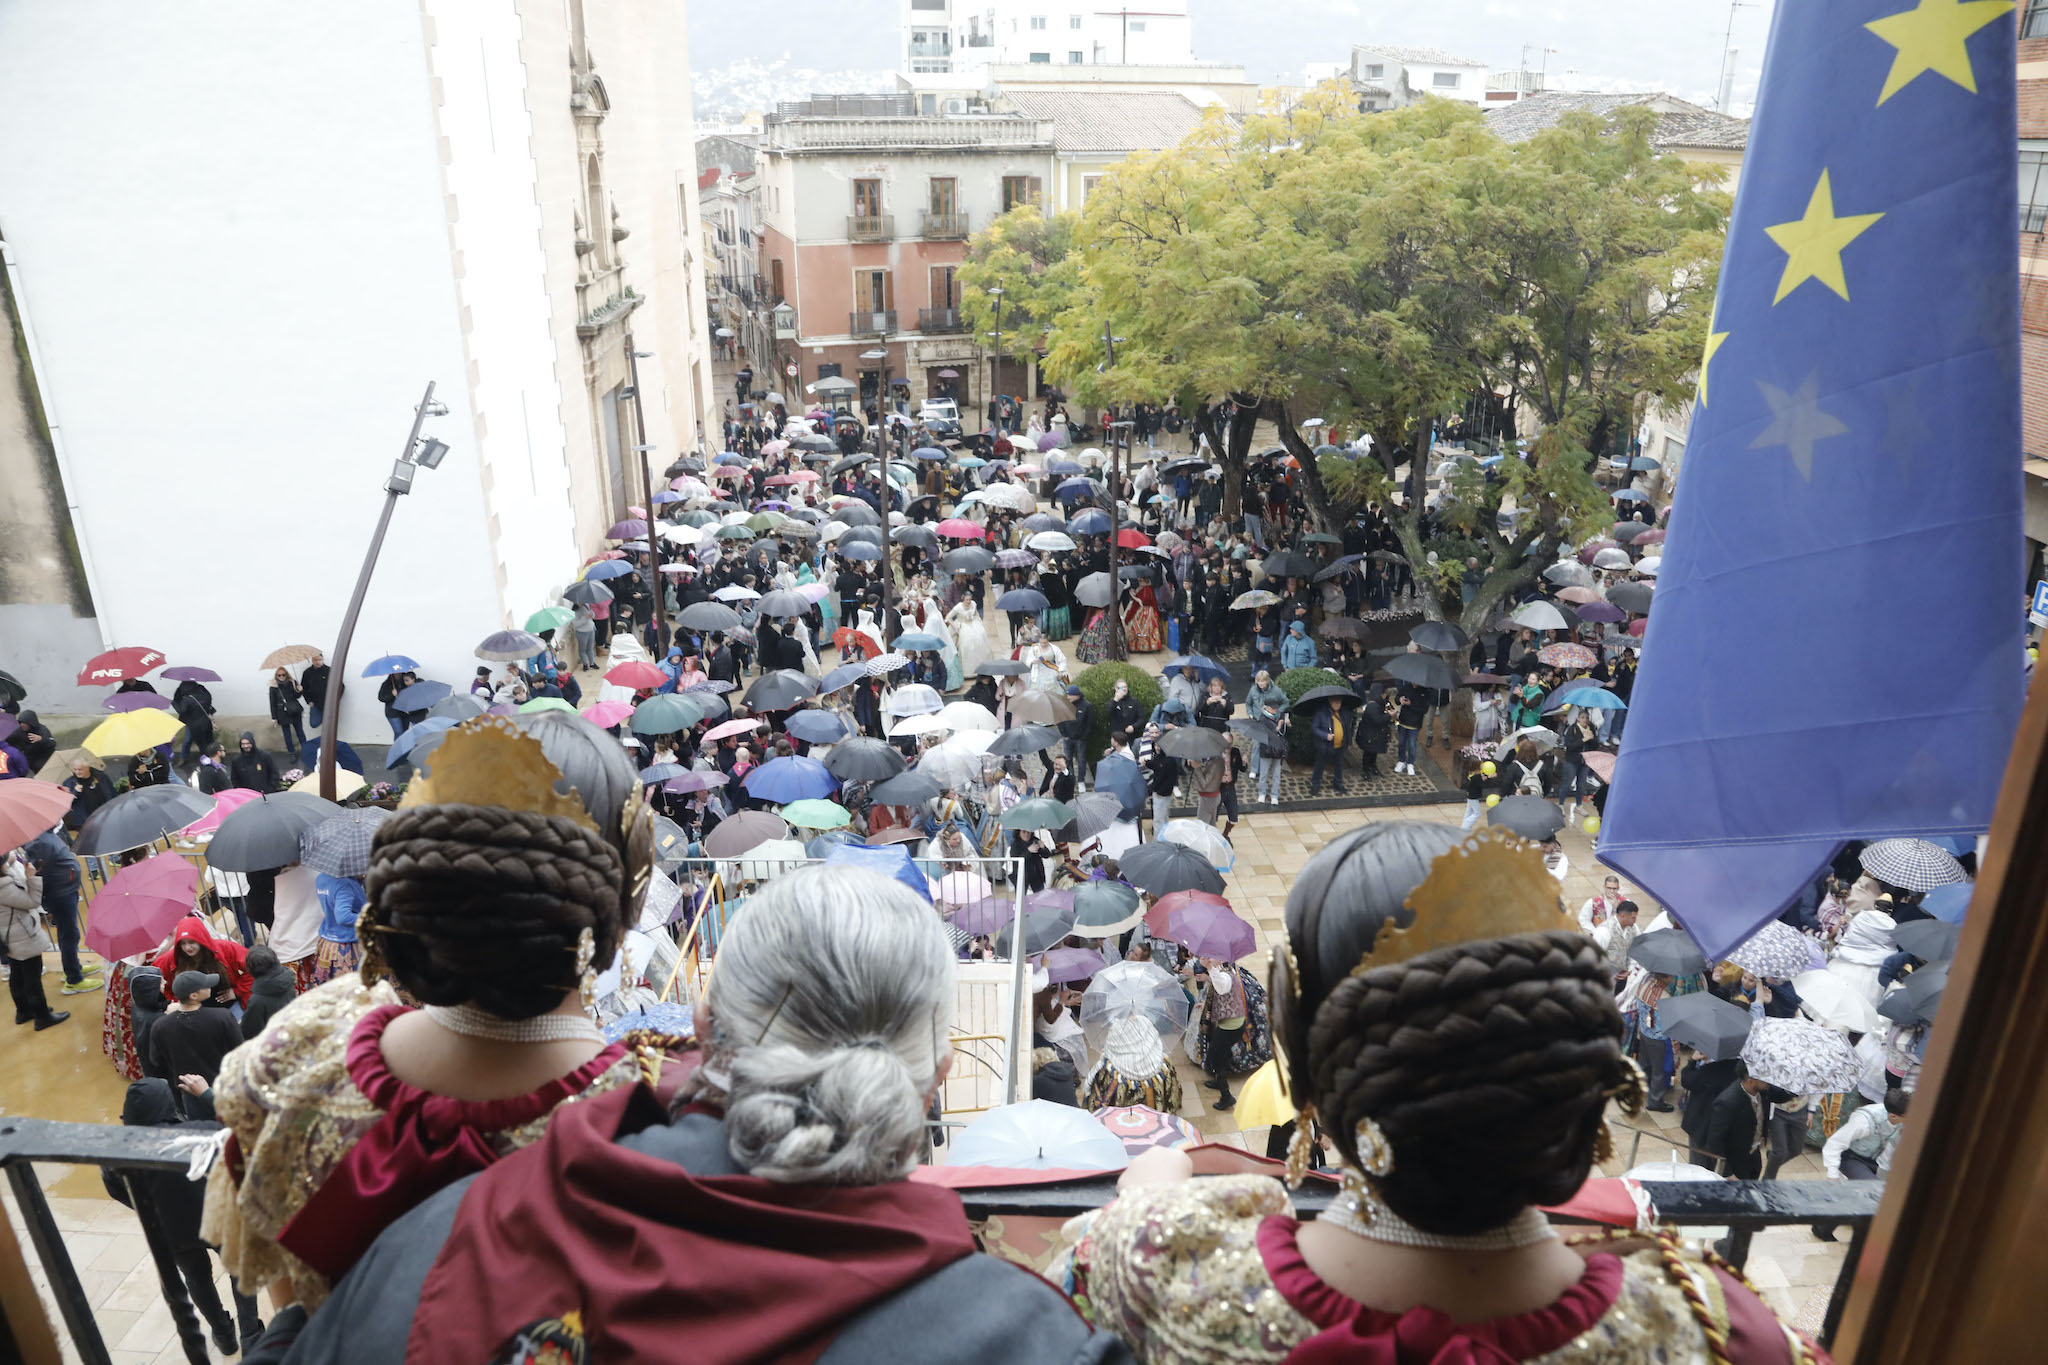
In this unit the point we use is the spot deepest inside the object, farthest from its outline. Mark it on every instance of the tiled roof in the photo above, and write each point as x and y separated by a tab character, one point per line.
1679	124
1110	121
708	177
1416	56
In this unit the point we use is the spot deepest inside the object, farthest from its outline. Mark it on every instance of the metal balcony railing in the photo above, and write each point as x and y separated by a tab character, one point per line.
941	320
944	227
872	324
871	227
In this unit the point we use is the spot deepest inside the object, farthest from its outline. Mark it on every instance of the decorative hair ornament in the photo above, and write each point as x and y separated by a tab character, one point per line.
586	979
1493	885
488	761
1300	1149
1375	1153
1632	1091
370	964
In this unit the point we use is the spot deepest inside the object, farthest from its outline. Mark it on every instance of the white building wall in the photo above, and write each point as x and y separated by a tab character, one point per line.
821	195
241	281
1160	33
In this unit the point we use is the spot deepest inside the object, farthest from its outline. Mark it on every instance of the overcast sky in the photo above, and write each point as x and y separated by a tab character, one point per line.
1672	45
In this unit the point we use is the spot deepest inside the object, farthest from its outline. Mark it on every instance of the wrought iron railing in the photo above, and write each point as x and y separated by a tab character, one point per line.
944	227
941	320
870	227
879	323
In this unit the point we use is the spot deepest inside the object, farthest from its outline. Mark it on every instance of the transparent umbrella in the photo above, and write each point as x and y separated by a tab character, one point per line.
1133	988
1204	839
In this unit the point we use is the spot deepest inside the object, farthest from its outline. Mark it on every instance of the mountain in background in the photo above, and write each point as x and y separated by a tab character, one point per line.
725	94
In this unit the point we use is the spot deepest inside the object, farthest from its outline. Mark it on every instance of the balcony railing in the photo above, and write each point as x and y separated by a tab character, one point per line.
944	227
941	320
872	324
871	227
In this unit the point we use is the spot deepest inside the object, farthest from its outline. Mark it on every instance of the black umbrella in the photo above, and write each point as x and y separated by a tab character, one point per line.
1263	733
1706	1022
862	759
263	834
458	707
1424	670
1134	571
1161	868
967	559
1667	951
1019	740
910	788
1042	929
1316	696
1002	668
1095	812
871	534
1440	635
11	687
857	514
1928	939
1290	564
1343	628
1195	742
340	844
1919	999
780	690
586	592
914	535
851	462
707	616
141	816
714	706
1633	598
1532	817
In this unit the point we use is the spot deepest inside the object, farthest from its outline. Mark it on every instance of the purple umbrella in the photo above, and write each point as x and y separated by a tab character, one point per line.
190	673
1048	442
136	701
771	506
1049	900
694	782
627	529
1072	964
984	916
1601	611
1212	931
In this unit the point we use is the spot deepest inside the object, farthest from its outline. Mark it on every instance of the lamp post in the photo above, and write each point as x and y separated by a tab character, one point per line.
633	359
995	359
880	356
1117	432
415	455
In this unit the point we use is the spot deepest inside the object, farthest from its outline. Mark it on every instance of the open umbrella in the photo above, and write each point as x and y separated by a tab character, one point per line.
916	699
606	714
1800	1056
665	715
1122	778
134	701
1829	999
586	593
264	834
1038	812
1911	864
1038	1135
1929	939
907	788
1918	1000
1668	951
707	616
1044	926
384	665
1632	597
130	732
1041	708
1125	990
1567	656
961	716
421	696
527	708
191	673
812	813
119	665
340	844
224	804
862	759
140	904
1424	670
1204	839
1439	635
1161	867
1022	740
130	820
963	888
403	748
1141	1129
1262	1100
816	727
1539	615
1598	698
1777	951
781	690
740	833
28	809
287	655
509	646
1063	965
1211	930
1103	908
1706	1022
1532	817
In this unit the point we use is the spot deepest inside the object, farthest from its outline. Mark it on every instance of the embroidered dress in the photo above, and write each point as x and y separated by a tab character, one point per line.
326	1146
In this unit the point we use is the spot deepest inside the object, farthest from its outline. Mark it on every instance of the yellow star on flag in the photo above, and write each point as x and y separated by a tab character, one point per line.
1932	37
1813	244
1714	340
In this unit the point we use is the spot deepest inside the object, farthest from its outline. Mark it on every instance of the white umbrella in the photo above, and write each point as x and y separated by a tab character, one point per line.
1090	456
1800	1056
1828	999
766	860
1611	559
1038	1135
919	725
1650	565
733	592
1049	541
974	743
1538	616
1535	734
913	699
1123	989
1914	864
831	530
950	767
969	715
1203	839
682	535
959	888
1009	495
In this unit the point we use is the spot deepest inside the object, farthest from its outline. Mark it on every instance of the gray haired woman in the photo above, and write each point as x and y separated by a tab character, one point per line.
766	1215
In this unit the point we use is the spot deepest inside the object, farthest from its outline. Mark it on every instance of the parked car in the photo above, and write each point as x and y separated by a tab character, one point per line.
941	416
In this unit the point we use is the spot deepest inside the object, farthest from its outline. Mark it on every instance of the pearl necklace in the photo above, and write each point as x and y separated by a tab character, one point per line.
1359	1212
473	1021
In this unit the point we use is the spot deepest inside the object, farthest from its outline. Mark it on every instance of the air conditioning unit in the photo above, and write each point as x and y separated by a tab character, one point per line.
956	106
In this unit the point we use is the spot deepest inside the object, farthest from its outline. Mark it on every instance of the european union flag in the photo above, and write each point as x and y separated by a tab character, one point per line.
1835	648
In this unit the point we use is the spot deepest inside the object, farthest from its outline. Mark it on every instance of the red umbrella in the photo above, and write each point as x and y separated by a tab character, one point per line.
636	674
140	904
1131	538
780	481
1638	626
959	528
1163	909
847	637
224	804
28	809
119	665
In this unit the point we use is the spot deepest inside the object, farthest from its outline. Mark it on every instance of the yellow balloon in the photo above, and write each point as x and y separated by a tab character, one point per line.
1493	798
1487	769
1591	825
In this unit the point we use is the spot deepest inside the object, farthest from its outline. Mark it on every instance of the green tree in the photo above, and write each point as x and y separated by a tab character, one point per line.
1030	258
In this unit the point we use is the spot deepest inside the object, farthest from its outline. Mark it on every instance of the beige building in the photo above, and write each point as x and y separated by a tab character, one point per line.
1094	130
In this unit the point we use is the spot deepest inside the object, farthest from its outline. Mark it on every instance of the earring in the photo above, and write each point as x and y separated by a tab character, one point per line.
586	949
1375	1153
1632	1091
370	964
1300	1149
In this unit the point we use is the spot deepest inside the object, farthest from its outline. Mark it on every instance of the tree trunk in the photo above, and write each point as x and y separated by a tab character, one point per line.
1312	491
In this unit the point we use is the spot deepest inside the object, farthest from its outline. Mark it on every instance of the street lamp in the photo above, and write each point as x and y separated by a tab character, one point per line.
416	455
995	291
633	359
879	355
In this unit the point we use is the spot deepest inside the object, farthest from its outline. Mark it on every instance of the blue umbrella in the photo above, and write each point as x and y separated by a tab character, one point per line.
1121	778
610	568
889	860
1022	599
821	847
665	495
665	1017
1062	466
344	757
1204	666
970	462
1599	698
1093	522
1075	488
917	642
816	727
846	675
928	453
402	747
860	549
729	457
421	695
1949	903
1630	495
783	780
385	665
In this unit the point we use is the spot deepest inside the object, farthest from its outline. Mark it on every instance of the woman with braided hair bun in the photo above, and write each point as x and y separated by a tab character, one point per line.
504	880
1446	1026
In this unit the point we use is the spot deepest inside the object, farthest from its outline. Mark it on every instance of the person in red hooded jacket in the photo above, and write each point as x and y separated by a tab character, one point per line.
195	949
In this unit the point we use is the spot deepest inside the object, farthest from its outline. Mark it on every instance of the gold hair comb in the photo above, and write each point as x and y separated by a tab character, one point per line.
488	761
1493	885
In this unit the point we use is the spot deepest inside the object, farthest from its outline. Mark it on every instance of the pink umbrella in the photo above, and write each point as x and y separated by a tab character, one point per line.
804	476
683	483
606	714
1638	626
1139	1128
141	903
224	804
1581	595
1567	656
780	481
956	528
1602	764
775	447
814	592
1650	538
729	471
745	726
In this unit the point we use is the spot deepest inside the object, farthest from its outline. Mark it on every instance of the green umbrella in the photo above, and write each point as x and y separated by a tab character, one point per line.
549	618
700	517
814	813
1040	812
764	521
734	533
545	704
665	714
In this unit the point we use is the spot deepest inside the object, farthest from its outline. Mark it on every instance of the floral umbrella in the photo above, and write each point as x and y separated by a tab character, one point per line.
1567	656
1140	1128
1800	1056
1777	951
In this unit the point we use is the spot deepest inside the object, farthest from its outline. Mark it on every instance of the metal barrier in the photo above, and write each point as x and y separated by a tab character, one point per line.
1740	1206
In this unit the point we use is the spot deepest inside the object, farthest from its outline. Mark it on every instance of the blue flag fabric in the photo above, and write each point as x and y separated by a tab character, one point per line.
1835	649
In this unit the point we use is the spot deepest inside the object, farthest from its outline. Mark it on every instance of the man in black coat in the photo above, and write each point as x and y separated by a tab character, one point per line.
1704	1082
1328	730
719	663
313	687
1075	733
275	988
1735	1126
251	767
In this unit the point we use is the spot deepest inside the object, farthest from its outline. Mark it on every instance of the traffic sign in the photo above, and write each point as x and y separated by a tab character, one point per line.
2038	613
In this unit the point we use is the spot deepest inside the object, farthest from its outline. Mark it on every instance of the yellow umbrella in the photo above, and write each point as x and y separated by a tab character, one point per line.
130	732
1262	1099
346	783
